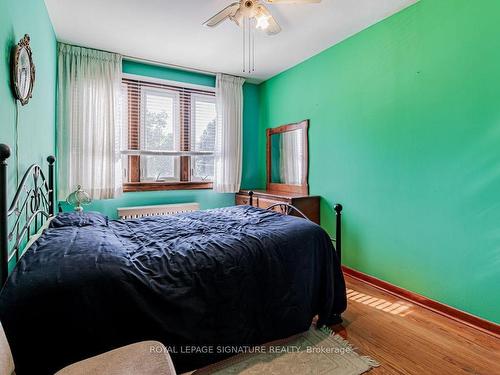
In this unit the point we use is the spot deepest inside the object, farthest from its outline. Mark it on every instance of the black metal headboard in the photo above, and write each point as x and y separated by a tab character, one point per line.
288	209
32	205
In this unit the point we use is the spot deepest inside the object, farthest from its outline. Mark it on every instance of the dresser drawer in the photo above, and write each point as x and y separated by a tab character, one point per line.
241	199
309	205
265	202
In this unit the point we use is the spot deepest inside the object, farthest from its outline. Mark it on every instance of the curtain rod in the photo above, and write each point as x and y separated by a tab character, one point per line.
153	62
173	66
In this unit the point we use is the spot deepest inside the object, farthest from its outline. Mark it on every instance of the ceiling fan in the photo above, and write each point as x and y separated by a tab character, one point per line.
251	15
253	9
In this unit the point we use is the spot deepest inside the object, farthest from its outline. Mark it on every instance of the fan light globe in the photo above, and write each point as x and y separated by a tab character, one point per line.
262	21
78	197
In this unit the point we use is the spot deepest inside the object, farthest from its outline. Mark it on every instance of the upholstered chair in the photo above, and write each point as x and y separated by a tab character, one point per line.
6	360
145	358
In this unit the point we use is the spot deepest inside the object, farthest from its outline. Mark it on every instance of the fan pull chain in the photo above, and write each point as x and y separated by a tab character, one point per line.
251	31
253	47
244	44
248	45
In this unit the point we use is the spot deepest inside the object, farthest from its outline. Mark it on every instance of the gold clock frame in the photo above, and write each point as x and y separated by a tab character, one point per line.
24	43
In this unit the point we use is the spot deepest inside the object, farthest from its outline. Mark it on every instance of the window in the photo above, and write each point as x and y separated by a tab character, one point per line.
203	136
169	136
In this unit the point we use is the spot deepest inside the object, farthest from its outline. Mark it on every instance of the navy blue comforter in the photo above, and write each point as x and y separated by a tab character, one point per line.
231	276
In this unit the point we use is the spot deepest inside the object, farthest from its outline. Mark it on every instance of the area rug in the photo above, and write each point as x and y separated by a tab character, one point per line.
317	351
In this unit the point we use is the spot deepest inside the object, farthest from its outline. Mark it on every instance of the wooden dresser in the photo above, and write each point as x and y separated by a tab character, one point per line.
308	204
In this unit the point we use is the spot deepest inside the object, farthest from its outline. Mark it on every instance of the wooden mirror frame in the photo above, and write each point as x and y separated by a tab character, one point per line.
303	188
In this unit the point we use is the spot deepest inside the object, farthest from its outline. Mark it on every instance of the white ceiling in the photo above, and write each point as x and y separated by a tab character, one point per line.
171	31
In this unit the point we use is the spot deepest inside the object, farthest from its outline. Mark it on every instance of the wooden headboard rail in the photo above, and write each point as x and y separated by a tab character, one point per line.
33	203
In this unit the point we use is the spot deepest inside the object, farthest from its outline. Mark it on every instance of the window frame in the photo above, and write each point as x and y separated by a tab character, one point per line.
133	164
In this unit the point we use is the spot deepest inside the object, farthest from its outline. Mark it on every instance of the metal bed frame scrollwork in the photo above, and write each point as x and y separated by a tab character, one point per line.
32	205
288	209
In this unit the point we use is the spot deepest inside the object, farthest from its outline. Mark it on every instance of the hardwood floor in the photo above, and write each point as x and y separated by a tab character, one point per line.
409	339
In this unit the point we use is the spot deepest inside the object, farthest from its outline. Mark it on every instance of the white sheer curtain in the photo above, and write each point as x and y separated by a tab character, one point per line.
89	121
229	132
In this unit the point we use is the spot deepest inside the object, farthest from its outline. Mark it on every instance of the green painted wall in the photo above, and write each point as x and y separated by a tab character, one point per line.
206	198
405	132
37	119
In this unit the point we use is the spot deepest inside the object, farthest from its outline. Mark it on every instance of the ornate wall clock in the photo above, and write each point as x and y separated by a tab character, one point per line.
23	70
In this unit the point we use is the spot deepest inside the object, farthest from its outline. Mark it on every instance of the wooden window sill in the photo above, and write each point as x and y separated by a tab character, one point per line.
157	186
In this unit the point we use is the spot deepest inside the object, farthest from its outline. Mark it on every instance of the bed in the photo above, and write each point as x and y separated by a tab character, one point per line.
207	284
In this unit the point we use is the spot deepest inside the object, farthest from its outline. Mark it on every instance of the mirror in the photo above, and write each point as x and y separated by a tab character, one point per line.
287	152
287	158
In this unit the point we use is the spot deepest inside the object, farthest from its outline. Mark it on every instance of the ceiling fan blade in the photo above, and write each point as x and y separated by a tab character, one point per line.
273	28
222	15
293	1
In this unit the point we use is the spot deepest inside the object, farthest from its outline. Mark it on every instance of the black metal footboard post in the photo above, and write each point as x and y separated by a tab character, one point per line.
338	236
4	228
337	317
51	160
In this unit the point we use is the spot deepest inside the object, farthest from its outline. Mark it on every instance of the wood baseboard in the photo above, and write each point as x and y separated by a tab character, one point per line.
438	307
